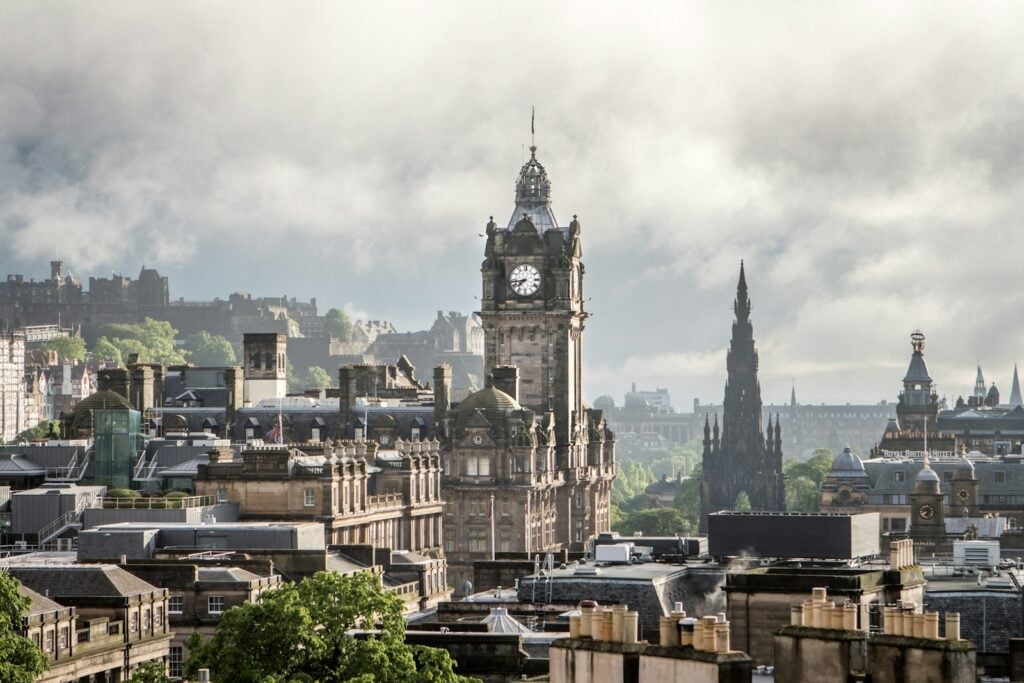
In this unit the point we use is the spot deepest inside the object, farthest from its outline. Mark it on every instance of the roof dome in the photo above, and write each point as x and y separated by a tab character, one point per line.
533	196
847	464
963	463
487	405
926	480
605	402
81	414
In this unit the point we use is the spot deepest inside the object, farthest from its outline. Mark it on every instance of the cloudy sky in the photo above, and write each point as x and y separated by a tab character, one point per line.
865	159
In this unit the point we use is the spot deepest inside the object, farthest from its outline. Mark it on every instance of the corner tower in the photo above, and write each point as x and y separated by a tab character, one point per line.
744	460
532	311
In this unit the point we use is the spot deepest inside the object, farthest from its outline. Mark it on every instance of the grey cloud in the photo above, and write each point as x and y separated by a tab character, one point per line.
864	159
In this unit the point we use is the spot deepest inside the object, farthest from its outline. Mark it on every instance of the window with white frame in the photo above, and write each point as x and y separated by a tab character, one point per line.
49	641
175	604
65	637
158	617
309	497
133	623
175	658
215	604
145	620
222	495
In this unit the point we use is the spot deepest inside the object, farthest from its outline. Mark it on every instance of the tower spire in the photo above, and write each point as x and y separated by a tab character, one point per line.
1015	397
742	304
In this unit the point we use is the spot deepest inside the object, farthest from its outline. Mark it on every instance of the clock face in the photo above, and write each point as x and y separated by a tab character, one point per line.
926	512
962	495
525	279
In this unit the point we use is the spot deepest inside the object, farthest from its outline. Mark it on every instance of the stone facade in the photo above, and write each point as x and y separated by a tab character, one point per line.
745	459
525	445
362	493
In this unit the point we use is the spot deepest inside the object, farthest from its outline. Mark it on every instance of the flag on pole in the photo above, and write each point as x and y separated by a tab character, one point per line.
275	434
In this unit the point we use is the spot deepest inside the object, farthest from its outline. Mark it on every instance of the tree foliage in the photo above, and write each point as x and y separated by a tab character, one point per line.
655	522
103	350
338	324
68	349
150	672
47	429
632	480
300	633
209	350
20	660
317	378
804	478
152	339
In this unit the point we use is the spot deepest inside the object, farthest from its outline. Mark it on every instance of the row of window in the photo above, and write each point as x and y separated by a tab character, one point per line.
214	604
45	642
998	477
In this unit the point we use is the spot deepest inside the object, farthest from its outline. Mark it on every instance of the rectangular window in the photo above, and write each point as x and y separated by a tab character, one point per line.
174	661
37	639
484	466
414	433
447	467
215	604
65	637
898	476
175	604
145	620
222	495
471	467
478	541
947	475
309	497
449	545
315	436
1000	477
158	618
49	642
133	623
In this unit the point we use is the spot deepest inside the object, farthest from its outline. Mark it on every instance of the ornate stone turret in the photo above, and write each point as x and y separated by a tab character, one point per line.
746	460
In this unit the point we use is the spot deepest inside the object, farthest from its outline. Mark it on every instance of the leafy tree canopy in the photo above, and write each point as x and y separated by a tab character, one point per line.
299	633
317	378
209	350
68	349
104	350
47	429
152	339
20	660
338	324
151	672
655	522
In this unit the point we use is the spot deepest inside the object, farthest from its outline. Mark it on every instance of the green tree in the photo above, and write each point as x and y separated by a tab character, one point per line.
802	495
152	339
209	350
20	660
47	429
338	324
742	502
68	349
815	469
317	378
293	382
299	633
655	522
688	499
104	350
150	672
631	481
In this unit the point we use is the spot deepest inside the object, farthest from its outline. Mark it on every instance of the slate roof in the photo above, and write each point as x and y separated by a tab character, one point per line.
917	371
19	466
227	575
81	581
40	603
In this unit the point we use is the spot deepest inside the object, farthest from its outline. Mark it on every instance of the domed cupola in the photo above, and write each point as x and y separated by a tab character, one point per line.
533	196
926	480
848	465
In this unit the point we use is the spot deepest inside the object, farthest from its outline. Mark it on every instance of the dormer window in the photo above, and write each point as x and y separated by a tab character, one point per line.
478	439
385	439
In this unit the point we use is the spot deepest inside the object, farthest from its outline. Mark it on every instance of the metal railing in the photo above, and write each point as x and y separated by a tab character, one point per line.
73	471
151	503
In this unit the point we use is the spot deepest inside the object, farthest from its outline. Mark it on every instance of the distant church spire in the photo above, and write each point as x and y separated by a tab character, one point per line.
792	396
1015	397
748	459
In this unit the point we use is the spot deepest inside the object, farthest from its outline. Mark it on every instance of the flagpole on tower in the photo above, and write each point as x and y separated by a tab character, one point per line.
533	137
492	527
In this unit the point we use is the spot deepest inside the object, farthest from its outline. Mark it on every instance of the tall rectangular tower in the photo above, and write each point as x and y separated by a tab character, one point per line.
266	366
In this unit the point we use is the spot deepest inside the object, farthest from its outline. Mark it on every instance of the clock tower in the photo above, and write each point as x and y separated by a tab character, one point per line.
927	521
532	311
